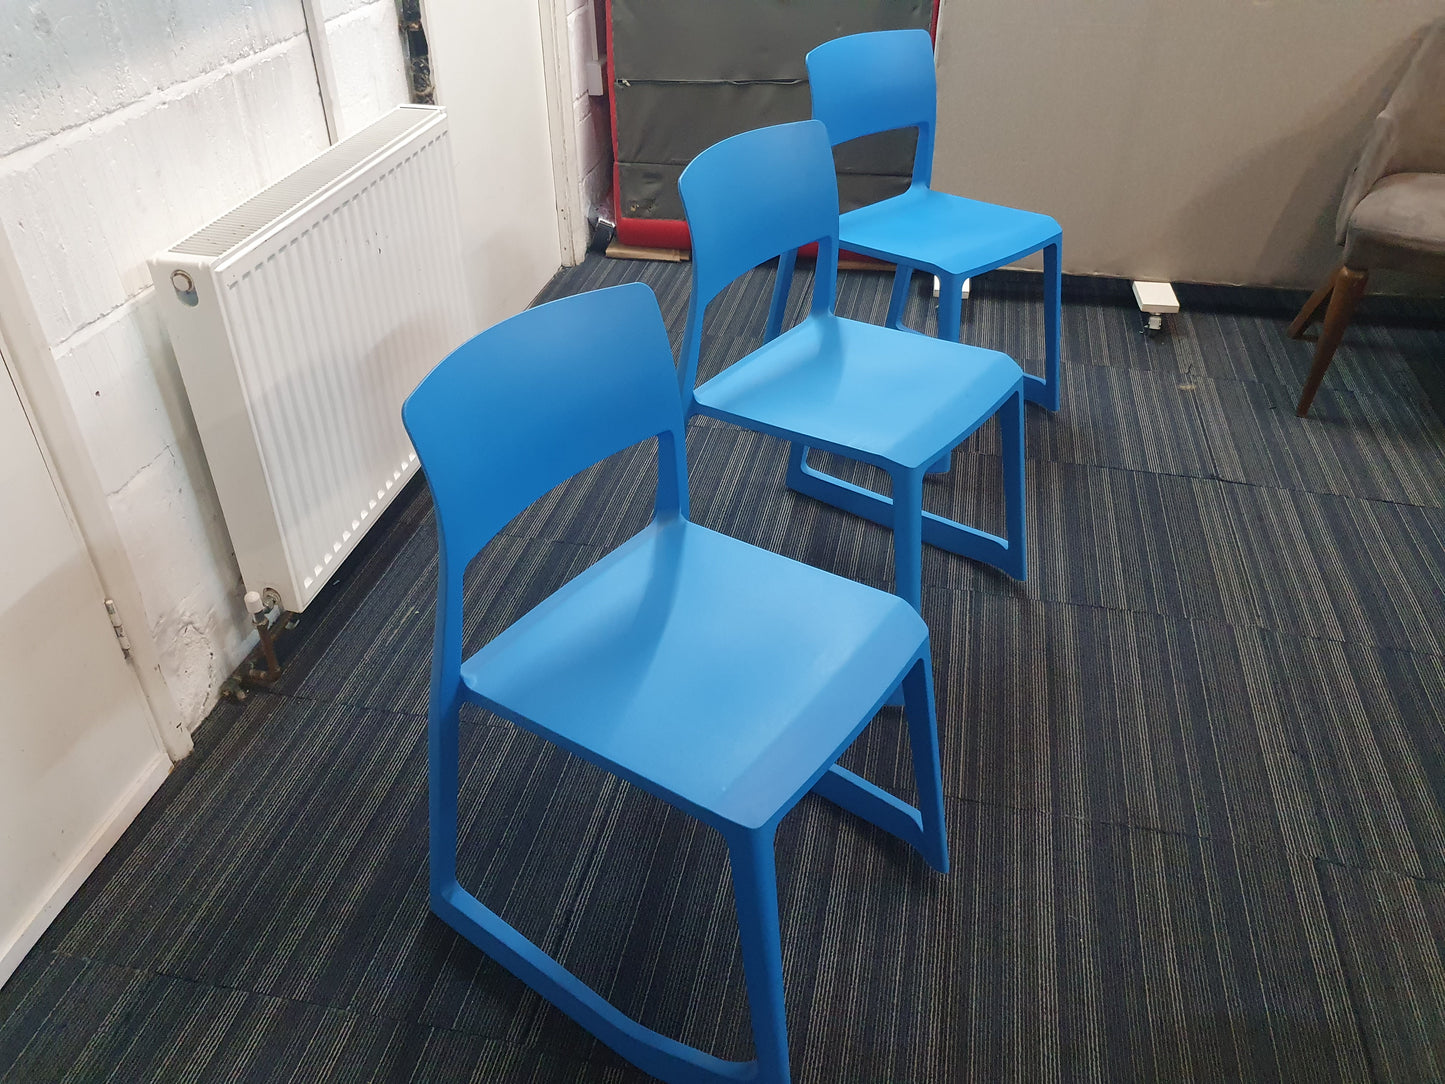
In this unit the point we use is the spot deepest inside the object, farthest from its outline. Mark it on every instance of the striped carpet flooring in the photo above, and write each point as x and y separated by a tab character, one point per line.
1195	765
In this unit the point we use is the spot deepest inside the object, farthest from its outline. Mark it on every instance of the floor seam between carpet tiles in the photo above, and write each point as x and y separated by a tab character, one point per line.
1354	997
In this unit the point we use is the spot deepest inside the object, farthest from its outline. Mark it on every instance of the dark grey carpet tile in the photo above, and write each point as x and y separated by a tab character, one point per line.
601	507
653	929
1253	347
1102	326
1285	743
1118	539
1389	345
318	892
1364	728
1115	717
1239	300
365	572
251	879
213	733
1133	419
669	281
738	488
1391	935
1061	950
1371	446
536	826
1424	348
49	1002
1373	359
1056	950
1146	745
1220	960
1100	323
645	917
159	1028
388	661
1339	568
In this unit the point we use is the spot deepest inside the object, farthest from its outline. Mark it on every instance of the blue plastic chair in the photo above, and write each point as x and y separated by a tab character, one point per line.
724	679
877	82
896	399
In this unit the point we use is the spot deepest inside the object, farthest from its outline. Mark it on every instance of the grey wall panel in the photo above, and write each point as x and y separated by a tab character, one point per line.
856	189
741	40
674	122
1193	142
650	190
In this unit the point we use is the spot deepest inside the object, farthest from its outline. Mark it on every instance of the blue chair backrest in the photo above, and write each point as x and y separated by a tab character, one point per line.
867	83
756	195
538	398
750	198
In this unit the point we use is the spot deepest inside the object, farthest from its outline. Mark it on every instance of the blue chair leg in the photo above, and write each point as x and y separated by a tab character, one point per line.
755	894
921	828
950	320
927	771
1011	426
950	307
1045	390
908	536
898	301
667	1059
442	786
946	534
782	285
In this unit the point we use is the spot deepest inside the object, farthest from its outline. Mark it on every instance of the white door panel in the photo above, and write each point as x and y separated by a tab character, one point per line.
76	739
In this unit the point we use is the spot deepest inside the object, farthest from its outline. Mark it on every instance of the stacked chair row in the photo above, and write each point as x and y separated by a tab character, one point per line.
724	679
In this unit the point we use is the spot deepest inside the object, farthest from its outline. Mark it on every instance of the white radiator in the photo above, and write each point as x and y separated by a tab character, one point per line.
300	321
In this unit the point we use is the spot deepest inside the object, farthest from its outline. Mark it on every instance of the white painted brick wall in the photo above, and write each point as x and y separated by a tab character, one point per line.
125	125
590	115
88	207
366	57
64	62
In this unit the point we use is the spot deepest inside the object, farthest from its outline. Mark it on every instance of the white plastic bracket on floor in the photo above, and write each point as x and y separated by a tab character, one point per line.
965	287
1154	300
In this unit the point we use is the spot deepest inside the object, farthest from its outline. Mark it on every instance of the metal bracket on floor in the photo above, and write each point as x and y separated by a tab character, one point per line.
1155	300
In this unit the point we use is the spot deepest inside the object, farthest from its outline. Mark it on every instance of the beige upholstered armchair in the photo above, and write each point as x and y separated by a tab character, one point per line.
1393	212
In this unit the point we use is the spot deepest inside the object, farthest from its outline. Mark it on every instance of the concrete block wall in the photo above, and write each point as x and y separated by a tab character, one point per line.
590	115
366	58
125	125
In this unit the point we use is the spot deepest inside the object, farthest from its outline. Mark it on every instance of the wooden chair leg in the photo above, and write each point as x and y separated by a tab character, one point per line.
1312	306
1349	287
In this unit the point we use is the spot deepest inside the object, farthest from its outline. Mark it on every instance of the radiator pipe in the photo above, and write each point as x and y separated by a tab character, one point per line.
260	617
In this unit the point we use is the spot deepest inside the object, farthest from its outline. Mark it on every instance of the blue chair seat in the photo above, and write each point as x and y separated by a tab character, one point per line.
863	390
944	233
893	398
724	675
884	81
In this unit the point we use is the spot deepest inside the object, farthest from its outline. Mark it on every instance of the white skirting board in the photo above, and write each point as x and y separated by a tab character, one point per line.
16	943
